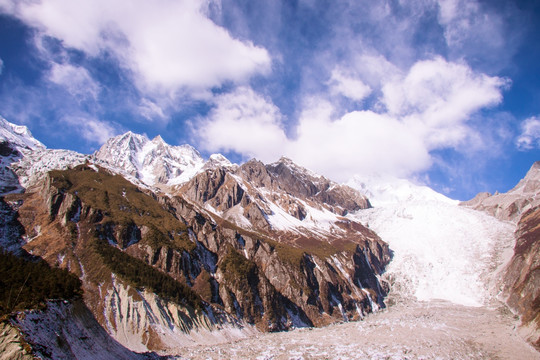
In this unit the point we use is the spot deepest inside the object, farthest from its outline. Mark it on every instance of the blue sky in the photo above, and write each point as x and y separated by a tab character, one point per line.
444	92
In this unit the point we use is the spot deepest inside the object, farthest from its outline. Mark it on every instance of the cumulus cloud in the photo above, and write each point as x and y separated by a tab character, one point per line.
244	122
91	129
358	142
437	97
530	134
427	109
166	45
348	85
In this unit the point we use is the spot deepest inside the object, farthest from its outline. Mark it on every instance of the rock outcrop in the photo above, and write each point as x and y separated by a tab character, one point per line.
522	277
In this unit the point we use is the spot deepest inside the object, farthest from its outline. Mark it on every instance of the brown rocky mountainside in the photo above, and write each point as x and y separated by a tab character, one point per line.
159	271
522	278
521	281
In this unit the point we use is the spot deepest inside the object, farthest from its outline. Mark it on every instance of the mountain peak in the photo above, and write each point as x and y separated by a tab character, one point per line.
130	136
158	140
151	161
18	135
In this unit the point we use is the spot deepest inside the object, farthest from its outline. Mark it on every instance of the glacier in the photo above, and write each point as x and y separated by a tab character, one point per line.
440	249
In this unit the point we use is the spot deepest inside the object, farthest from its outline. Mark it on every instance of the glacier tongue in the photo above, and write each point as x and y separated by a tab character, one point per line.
441	250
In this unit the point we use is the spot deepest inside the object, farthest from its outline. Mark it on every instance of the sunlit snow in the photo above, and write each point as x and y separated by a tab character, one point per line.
440	250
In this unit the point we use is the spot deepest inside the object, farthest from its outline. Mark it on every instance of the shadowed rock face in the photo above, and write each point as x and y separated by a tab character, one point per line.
522	278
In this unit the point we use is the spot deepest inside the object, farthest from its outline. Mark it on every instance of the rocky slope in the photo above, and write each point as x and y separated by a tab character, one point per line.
64	330
510	205
522	277
70	220
232	251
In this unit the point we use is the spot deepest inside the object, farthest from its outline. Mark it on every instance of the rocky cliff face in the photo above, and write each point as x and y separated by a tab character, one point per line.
72	222
290	228
95	223
522	277
274	197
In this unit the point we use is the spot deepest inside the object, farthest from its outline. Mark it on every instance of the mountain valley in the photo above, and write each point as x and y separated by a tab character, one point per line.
181	257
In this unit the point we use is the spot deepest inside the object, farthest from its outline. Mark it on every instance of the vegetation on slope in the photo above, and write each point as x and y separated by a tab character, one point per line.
27	285
141	275
239	270
122	203
124	206
294	254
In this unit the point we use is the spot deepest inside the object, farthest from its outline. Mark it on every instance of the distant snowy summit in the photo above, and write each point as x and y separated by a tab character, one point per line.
386	190
14	141
19	136
151	161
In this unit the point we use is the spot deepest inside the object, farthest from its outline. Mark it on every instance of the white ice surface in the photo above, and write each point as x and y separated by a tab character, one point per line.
441	250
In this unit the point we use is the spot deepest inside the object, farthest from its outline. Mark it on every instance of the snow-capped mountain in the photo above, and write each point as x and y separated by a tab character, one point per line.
14	141
153	162
384	190
251	247
255	246
19	136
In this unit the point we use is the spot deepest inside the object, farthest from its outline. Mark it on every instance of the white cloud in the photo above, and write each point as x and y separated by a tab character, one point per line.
530	134
1	66
375	69
167	45
348	85
150	110
438	97
428	108
91	129
76	80
358	142
244	122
